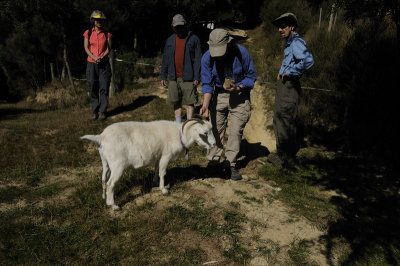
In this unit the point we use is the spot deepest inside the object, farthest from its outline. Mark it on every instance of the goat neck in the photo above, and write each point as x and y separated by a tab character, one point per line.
184	139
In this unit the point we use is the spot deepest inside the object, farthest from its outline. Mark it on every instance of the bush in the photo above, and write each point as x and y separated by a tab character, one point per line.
124	66
56	96
129	68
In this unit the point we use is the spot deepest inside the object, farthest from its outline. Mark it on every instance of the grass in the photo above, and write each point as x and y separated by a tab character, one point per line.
52	211
247	198
298	253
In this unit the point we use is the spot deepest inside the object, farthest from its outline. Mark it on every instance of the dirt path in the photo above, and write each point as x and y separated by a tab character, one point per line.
256	129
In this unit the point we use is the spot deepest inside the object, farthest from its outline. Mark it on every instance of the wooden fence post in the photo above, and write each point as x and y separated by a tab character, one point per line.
320	16
67	65
331	18
112	82
52	71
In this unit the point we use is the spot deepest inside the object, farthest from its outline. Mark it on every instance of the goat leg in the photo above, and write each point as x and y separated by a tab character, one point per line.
116	173
162	171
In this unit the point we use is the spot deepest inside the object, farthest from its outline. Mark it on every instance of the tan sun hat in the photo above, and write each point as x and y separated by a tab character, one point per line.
218	41
178	20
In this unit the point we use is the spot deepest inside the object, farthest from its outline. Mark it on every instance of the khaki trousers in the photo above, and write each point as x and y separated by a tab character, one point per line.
238	105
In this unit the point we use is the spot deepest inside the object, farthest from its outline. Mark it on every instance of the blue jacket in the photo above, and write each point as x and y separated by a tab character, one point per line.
244	72
297	57
191	61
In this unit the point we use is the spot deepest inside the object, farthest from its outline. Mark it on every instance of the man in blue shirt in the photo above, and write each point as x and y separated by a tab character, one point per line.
288	92
228	75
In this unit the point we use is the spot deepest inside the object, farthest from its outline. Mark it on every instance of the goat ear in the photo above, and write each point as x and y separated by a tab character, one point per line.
199	128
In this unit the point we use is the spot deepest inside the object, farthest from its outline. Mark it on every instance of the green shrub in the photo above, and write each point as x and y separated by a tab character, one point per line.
124	66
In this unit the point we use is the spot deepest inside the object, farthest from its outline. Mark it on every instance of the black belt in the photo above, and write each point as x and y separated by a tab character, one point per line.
220	90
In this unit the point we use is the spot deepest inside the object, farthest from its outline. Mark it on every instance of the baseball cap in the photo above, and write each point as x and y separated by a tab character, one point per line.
178	20
285	18
218	41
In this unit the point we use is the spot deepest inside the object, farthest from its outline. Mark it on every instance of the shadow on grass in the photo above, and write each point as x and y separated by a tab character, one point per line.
13	113
251	151
147	180
139	102
369	210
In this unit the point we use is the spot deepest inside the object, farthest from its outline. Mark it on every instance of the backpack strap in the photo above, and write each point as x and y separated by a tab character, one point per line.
90	33
238	54
212	62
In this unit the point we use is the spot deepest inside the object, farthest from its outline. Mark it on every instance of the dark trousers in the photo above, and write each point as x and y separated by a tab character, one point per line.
98	77
287	100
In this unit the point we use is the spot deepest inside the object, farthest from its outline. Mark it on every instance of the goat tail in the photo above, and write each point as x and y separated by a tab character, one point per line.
95	138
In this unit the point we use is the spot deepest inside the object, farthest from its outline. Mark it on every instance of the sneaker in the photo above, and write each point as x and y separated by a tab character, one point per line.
94	117
235	175
102	116
275	160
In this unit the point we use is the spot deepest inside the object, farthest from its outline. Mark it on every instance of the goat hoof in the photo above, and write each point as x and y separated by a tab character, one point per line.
164	191
115	207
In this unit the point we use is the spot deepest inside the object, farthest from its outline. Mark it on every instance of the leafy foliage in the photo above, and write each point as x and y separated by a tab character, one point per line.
33	33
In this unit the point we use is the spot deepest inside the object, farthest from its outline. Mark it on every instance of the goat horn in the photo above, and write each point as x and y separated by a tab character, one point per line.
195	117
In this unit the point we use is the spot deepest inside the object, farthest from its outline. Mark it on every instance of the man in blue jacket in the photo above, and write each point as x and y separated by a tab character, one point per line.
181	63
228	75
288	92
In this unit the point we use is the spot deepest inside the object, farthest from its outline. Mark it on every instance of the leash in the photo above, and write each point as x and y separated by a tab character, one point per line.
187	150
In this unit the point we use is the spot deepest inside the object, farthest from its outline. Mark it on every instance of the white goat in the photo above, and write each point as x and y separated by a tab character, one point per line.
140	144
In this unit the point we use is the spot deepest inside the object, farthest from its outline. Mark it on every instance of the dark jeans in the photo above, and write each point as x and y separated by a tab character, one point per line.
98	77
287	100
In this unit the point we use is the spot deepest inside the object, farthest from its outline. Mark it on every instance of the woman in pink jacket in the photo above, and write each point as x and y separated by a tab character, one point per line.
97	44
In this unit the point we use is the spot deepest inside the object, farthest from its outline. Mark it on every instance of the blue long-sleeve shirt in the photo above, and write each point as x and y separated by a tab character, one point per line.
297	57
244	72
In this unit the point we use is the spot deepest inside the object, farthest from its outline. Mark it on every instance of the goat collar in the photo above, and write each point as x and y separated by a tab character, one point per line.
187	150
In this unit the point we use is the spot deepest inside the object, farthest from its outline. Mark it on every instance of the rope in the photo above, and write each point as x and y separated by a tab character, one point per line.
304	88
130	62
310	88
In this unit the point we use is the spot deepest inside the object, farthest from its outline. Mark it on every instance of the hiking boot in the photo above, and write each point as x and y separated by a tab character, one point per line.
94	117
275	160
102	116
235	175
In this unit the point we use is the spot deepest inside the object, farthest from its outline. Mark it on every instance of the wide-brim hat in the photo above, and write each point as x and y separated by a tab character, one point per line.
97	14
218	41
288	18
